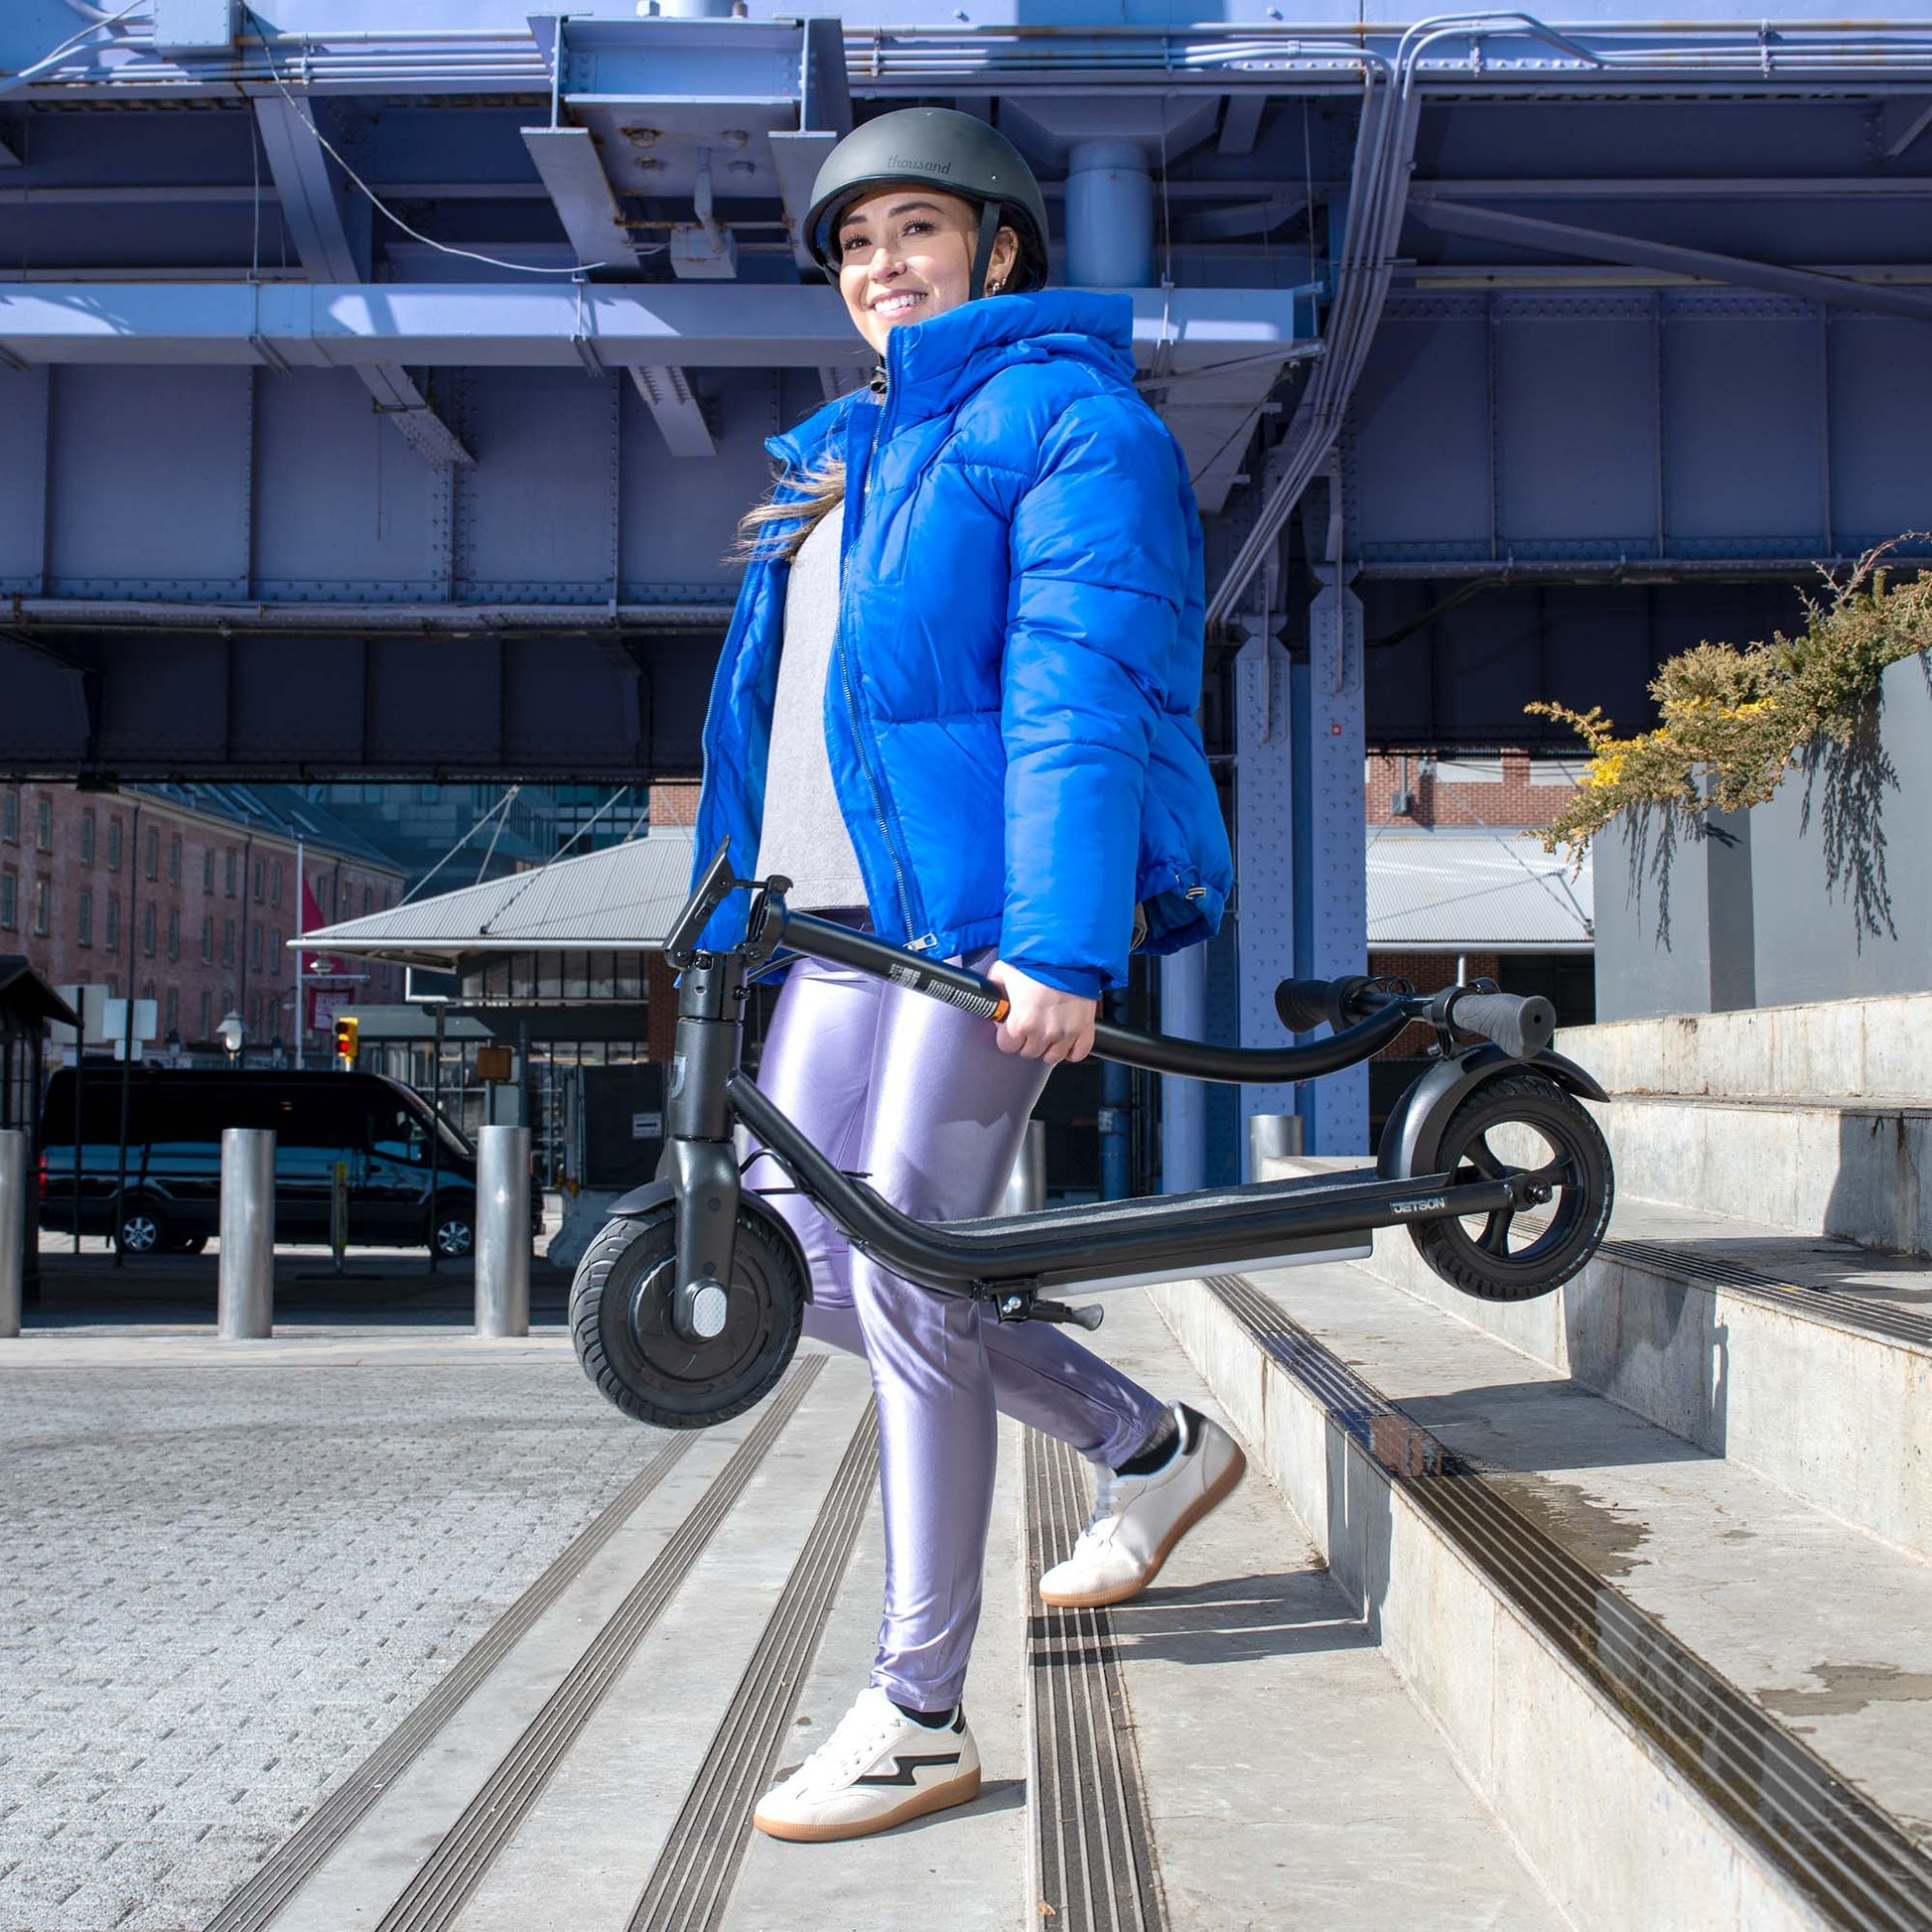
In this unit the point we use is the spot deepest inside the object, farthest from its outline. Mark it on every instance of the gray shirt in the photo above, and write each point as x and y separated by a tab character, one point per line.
803	835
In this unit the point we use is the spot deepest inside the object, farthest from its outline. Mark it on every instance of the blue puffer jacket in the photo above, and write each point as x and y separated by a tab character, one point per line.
1010	709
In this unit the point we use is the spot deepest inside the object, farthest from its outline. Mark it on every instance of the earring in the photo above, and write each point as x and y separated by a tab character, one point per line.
993	288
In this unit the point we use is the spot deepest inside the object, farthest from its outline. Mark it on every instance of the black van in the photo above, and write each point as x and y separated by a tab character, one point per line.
378	1128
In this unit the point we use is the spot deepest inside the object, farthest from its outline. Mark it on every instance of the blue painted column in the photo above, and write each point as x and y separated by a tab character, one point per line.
1184	1103
1330	878
1263	856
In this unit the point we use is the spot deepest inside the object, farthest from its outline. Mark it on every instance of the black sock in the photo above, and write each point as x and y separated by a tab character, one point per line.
932	1719
1152	1453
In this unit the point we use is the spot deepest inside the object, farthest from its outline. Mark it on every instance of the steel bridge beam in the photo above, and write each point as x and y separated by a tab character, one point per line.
495	324
1594	245
310	206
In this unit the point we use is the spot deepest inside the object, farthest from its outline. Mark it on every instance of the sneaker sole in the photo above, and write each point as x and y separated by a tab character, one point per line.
938	1797
1216	1493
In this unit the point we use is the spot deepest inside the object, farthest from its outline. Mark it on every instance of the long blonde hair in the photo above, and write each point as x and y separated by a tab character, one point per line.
821	492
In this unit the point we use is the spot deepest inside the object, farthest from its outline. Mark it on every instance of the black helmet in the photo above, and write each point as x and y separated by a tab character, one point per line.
953	151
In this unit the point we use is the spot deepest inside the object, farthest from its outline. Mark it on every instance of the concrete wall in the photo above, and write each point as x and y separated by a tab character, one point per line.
1822	893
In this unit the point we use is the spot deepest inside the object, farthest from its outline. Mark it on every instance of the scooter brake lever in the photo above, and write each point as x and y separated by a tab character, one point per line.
1088	1318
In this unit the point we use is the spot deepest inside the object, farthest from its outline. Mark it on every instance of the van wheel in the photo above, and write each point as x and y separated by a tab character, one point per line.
456	1233
143	1229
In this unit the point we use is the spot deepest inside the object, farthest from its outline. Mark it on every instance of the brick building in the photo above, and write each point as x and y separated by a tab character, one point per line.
188	893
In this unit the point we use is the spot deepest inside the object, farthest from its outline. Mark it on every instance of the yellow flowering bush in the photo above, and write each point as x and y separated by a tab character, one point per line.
1731	721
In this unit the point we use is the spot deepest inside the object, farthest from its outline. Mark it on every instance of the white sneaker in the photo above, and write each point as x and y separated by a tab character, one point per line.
878	1769
1137	1520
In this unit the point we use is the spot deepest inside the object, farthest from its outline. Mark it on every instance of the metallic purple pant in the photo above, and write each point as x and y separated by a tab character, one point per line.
919	1096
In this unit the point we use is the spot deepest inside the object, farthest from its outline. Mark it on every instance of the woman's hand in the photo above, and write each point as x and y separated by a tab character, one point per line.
1042	1023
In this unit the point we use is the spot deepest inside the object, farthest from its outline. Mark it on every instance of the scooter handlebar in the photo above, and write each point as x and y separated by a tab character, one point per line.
1521	1025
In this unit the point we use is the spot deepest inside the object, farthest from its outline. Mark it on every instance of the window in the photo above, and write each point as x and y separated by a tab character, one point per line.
255	1015
227	873
208	939
87	837
254	949
43	906
275	885
153	867
10	814
174	933
260	875
208	998
369	900
44	825
172	1023
274	949
113	924
9	900
147	930
227	948
174	860
85	928
208	870
113	845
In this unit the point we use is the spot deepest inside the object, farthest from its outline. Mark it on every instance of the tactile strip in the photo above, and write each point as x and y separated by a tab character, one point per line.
432	1898
1093	1849
689	1888
256	1902
1845	1856
1855	1311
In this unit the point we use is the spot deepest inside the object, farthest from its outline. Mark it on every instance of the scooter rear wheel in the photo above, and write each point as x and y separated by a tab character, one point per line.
622	1324
1518	1124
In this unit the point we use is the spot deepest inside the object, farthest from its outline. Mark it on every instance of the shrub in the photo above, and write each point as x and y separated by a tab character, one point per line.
1733	722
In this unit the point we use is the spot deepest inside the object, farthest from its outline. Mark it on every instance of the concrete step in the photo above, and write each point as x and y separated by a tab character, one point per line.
1808	1118
1230	1751
1809	1361
1856	1170
1829	1049
1691	1699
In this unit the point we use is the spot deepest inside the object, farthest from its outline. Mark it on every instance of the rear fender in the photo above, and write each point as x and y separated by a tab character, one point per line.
1414	1131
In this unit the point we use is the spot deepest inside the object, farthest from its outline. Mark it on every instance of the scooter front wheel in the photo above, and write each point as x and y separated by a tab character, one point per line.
1521	1122
620	1320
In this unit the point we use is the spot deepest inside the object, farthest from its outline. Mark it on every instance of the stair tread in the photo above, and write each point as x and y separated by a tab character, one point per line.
1810	1261
1823	1624
1341	1808
1822	1103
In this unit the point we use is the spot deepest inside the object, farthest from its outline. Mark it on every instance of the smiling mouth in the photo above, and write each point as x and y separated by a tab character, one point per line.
890	306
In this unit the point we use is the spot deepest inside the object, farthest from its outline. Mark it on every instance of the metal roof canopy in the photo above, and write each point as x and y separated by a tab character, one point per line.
1456	890
620	900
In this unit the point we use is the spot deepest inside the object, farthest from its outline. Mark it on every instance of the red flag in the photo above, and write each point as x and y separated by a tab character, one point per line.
325	965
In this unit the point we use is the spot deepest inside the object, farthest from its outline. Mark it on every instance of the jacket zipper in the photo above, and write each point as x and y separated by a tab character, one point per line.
852	696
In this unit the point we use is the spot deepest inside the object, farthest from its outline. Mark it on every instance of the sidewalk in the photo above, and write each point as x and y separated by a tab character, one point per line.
400	1627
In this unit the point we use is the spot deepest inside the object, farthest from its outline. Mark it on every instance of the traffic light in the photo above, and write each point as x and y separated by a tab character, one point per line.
345	1041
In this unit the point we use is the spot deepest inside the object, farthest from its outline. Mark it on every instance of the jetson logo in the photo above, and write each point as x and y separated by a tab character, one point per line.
1430	1205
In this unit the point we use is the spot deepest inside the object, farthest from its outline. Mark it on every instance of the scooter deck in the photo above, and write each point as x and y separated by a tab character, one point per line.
1352	1186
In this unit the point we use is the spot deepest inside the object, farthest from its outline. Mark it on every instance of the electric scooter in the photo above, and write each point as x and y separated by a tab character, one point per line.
686	1308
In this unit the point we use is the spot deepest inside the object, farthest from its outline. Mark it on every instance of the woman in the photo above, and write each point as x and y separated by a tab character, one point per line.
956	704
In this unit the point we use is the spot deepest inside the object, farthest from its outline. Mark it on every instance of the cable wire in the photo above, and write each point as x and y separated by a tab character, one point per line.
375	200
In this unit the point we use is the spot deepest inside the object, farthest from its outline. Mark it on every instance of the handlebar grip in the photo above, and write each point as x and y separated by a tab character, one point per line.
1521	1025
1302	1004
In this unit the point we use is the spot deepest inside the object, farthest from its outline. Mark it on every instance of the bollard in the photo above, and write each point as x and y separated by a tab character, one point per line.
13	1225
1270	1136
503	1231
245	1295
1027	1184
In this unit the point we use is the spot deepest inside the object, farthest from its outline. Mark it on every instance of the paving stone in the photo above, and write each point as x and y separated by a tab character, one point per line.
224	1585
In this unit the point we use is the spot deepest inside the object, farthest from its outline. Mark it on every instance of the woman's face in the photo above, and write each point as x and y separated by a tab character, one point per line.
907	253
